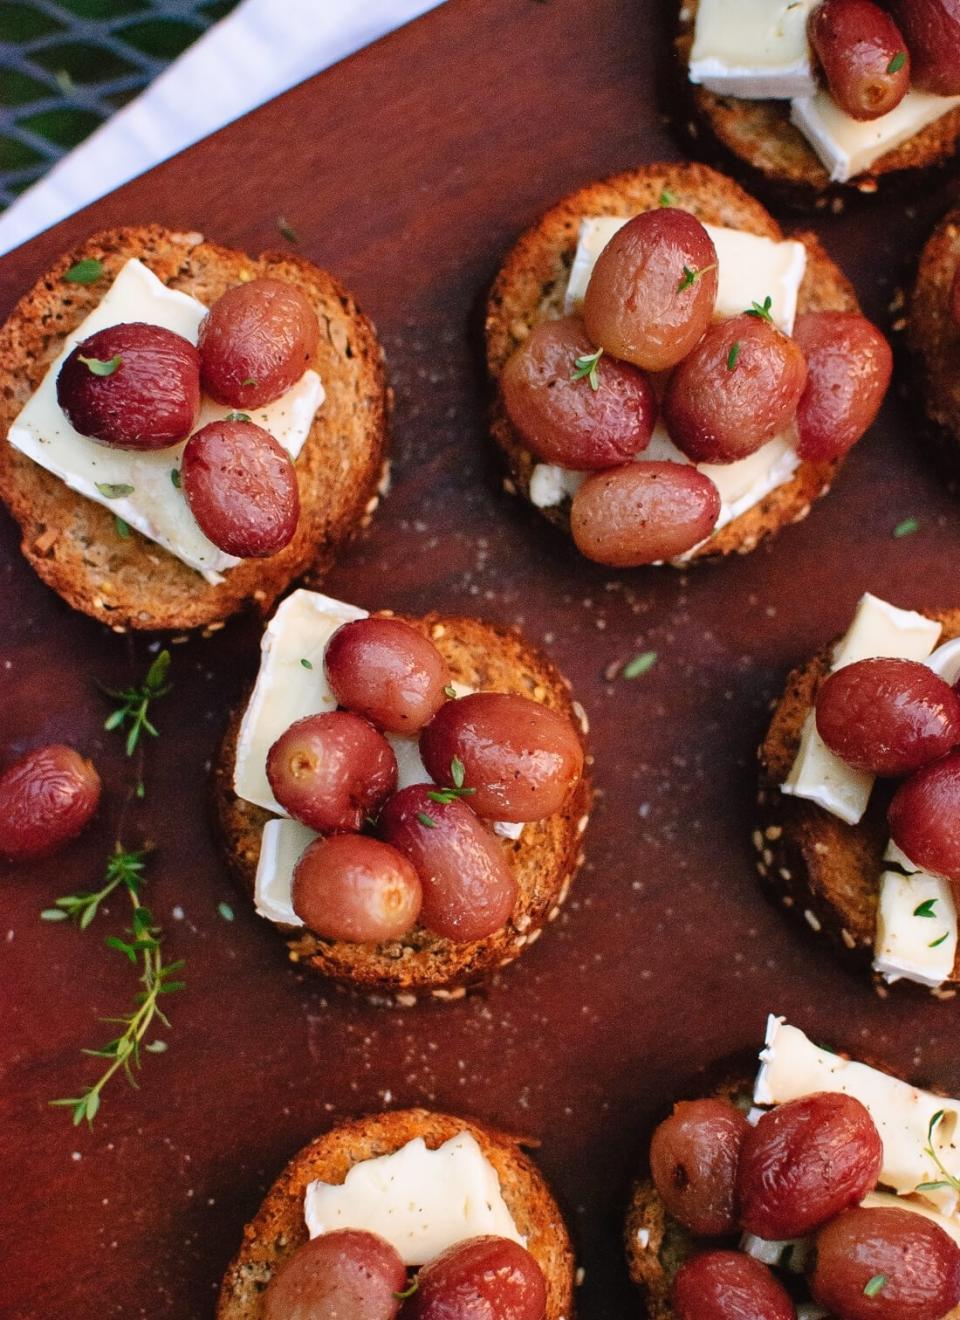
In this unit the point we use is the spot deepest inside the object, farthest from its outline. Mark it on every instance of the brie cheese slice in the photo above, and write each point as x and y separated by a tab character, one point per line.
913	1204
753	49
421	1201
916	929
848	147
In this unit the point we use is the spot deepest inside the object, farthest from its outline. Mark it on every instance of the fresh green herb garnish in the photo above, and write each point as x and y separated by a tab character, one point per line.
250	380
123	868
447	795
239	416
99	366
450	691
898	61
114	490
690	277
408	1292
87	271
733	357
287	230
140	792
667	198
457	772
925	909
135	703
761	310
935	944
588	365
906	528
640	664
175	477
122	528
307	664
424	819
875	1285
226	911
948	1180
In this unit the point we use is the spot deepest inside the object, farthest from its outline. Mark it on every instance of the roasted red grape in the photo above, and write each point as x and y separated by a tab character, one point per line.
256	342
388	672
331	771
849	364
932	32
924	817
468	888
242	488
693	1160
887	716
653	289
518	760
736	390
727	1285
46	798
886	1264
863	55
351	887
805	1162
132	386
561	417
345	1275
483	1278
643	513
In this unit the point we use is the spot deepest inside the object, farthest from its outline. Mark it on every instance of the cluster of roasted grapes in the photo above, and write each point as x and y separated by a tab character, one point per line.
432	856
897	718
871	54
137	386
359	1276
800	1172
734	385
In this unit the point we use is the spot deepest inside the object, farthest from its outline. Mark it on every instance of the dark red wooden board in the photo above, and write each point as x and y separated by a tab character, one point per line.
408	170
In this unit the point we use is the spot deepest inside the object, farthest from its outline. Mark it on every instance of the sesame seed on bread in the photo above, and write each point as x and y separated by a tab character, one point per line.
544	858
278	1228
816	865
933	335
72	542
532	282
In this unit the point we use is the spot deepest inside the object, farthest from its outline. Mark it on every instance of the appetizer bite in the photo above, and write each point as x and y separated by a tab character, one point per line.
408	1214
825	1190
676	380
187	429
860	794
815	92
404	798
933	331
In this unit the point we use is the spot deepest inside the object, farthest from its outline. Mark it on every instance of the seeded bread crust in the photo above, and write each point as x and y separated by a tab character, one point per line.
933	336
278	1228
760	134
532	282
817	866
72	542
544	859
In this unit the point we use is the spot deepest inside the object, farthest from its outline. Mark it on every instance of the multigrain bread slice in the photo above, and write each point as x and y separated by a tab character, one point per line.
278	1227
72	542
532	282
816	865
933	334
544	858
760	134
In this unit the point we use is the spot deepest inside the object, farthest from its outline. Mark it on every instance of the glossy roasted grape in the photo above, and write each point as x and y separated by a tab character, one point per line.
46	798
332	771
932	32
351	887
863	56
643	513
344	1275
388	672
242	488
256	342
727	1285
468	888
886	1264
736	390
805	1162
888	716
519	759
924	817
132	386
653	289
693	1160
483	1278
559	414
849	365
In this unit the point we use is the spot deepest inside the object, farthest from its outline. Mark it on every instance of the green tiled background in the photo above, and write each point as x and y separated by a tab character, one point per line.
66	65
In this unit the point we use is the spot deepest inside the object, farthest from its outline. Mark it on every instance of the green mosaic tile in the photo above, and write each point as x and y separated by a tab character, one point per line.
18	88
16	155
164	39
104	8
82	62
21	23
64	126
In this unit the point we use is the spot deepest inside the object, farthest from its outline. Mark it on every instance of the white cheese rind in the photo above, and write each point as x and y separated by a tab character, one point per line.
155	507
421	1201
945	661
792	1254
753	49
848	147
282	844
910	947
878	629
793	1067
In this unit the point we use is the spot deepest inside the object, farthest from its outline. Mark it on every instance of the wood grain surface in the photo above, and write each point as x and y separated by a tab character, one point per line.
408	170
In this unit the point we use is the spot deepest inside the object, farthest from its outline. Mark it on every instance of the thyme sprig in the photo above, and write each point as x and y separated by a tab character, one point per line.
134	708
123	868
948	1181
445	795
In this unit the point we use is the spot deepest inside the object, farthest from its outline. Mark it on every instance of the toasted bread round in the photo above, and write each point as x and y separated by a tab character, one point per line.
816	865
72	542
760	134
543	859
933	335
278	1227
532	282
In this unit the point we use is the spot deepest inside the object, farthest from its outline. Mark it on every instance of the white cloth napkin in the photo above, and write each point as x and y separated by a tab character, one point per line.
258	51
